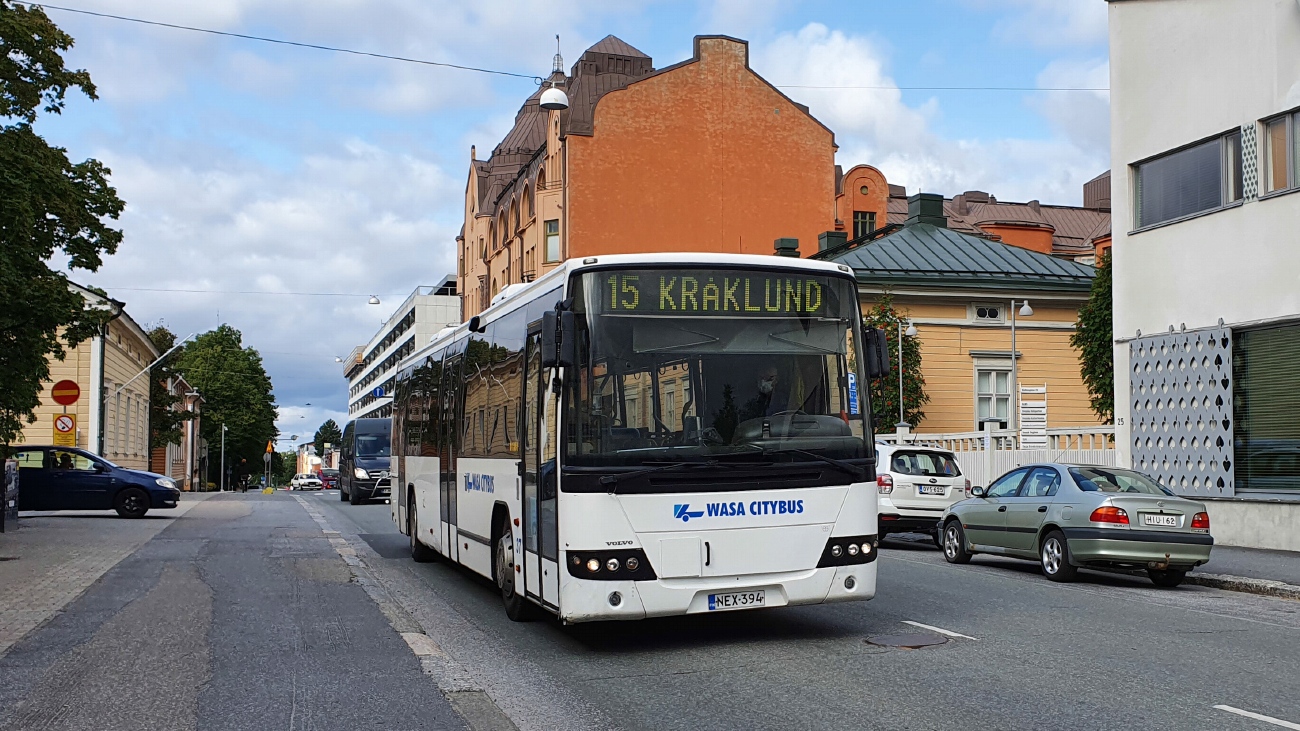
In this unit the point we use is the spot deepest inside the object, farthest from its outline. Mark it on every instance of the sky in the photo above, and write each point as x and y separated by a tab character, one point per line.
276	188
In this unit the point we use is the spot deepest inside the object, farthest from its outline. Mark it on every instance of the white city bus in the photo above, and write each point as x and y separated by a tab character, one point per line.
635	436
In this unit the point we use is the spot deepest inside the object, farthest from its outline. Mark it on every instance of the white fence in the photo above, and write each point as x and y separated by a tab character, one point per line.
1084	445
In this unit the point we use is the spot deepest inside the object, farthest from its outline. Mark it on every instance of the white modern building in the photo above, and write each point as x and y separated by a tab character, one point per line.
370	368
1205	154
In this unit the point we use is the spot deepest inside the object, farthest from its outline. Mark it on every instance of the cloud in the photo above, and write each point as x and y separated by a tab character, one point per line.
877	127
740	18
1049	23
1082	116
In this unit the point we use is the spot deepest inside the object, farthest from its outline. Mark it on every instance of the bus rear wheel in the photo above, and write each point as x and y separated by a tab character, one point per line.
517	608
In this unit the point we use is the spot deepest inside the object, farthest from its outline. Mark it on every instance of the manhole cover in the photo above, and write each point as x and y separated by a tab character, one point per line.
907	642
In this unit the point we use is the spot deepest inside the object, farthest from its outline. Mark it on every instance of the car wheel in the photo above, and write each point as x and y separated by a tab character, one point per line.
1166	578
1054	555
420	553
517	608
132	503
342	495
954	543
354	497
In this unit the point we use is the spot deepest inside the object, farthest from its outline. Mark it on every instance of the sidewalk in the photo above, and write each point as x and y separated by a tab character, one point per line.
54	556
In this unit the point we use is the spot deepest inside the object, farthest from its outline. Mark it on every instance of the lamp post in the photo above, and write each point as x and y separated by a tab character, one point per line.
1025	311
911	333
223	456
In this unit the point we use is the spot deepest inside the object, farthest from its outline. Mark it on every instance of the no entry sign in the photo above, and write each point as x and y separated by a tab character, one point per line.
65	392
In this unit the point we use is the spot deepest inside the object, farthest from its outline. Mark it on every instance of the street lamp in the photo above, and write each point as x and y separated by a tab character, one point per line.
911	333
1025	311
223	456
374	300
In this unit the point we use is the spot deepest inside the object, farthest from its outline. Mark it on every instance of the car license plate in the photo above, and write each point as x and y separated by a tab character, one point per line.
1168	521
736	600
929	489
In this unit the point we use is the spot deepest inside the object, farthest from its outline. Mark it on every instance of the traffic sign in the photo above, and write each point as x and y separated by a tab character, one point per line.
270	446
65	430
65	392
378	392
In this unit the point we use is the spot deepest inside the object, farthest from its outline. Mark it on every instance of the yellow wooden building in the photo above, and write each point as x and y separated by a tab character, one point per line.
112	413
958	290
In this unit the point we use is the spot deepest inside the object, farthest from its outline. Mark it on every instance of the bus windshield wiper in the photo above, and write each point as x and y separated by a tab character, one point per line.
854	471
612	481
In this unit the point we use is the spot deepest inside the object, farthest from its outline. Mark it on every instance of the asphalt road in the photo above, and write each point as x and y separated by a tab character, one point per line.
1106	652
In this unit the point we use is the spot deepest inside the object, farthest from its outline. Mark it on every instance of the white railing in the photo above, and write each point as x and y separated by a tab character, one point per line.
1082	445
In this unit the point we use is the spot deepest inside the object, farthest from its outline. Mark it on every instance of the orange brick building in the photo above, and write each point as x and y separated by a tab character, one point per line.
703	155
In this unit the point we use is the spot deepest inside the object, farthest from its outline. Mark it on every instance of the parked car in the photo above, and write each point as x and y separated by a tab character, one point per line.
305	481
1071	516
330	478
916	485
67	478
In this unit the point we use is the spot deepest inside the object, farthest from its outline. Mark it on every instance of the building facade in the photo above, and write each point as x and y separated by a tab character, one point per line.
865	201
370	368
112	411
703	155
1207	208
957	290
185	461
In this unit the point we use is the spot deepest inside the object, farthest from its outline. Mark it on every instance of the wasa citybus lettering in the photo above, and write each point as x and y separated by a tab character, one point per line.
648	435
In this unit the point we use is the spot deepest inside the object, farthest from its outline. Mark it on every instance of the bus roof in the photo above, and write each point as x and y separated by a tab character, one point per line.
519	297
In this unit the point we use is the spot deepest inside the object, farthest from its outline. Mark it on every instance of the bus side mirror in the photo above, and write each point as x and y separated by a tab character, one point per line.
877	354
559	339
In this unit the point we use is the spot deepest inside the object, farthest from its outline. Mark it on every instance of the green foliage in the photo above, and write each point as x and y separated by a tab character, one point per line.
328	432
884	391
48	206
164	418
1094	337
284	465
236	391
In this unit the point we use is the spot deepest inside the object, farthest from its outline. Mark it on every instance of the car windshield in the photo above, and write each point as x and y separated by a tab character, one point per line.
1106	479
373	445
686	364
928	464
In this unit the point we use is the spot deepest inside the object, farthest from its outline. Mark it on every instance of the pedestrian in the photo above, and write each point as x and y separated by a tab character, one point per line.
242	475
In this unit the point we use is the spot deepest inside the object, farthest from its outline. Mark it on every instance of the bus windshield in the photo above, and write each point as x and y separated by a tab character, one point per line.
687	364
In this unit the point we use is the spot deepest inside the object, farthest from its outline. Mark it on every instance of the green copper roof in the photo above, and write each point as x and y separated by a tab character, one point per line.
922	253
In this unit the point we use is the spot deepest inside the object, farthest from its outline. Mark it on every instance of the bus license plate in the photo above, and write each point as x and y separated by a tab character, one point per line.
736	600
1170	521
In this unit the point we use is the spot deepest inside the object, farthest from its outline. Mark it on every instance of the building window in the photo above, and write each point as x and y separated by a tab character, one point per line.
992	394
988	313
1266	394
864	222
1282	153
552	240
1190	181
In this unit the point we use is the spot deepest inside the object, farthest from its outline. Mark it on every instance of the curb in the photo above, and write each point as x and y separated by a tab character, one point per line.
1262	587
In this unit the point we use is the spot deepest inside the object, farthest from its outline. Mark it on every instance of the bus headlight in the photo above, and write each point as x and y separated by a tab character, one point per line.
612	564
593	565
853	549
848	551
836	551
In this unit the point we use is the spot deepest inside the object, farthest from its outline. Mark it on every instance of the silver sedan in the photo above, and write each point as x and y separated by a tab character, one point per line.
1068	516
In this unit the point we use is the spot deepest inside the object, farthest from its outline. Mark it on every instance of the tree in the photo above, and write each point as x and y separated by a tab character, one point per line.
1094	337
328	432
284	466
164	418
236	392
884	391
48	205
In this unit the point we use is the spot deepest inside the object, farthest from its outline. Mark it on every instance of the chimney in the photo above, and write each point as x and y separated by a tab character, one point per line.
473	153
831	239
787	247
926	208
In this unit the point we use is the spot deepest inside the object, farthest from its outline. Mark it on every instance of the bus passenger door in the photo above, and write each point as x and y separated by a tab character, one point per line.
531	464
451	444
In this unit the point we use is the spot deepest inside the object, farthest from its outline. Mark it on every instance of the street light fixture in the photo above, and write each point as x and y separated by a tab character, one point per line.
223	456
1025	311
374	300
911	333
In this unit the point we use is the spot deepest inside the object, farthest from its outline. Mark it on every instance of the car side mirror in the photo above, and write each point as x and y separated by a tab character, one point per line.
978	491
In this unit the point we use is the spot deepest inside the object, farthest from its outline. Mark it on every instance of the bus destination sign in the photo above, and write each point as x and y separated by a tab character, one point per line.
742	294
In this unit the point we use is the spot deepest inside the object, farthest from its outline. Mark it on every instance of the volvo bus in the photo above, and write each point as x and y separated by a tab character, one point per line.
637	436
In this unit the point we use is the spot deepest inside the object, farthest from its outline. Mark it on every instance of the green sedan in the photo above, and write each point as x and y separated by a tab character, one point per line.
1068	517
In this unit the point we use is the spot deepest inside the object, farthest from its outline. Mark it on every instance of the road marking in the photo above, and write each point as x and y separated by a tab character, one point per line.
940	630
1260	717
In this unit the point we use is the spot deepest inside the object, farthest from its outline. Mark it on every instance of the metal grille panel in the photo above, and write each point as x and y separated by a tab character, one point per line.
1181	419
1249	162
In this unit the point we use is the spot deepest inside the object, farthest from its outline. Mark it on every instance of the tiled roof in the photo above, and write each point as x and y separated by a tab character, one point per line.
925	254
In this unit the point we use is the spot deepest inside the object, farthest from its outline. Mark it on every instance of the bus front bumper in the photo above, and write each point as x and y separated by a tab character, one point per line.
584	600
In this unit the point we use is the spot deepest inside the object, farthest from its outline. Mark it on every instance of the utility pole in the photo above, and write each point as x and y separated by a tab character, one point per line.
223	457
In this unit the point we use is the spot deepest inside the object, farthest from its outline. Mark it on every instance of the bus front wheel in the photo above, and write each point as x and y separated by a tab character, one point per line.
517	608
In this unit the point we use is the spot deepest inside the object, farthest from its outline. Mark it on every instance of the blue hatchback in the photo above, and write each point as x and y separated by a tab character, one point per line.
66	478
